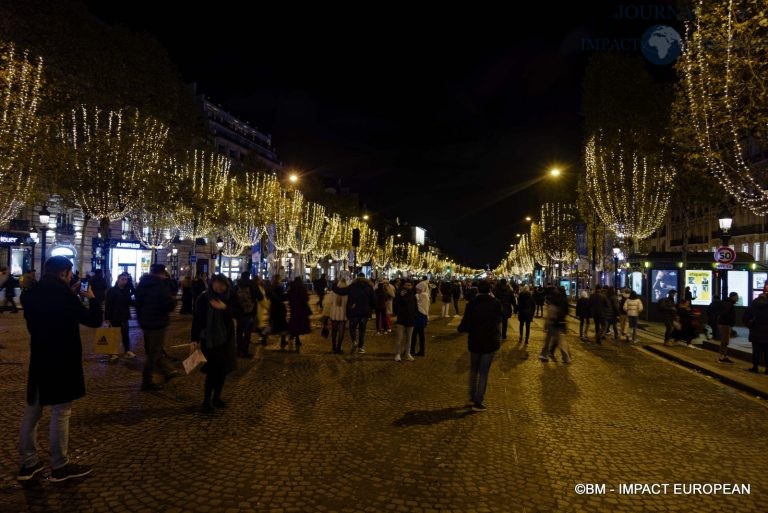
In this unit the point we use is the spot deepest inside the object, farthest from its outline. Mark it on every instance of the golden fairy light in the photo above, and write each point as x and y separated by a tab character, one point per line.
110	154
629	191
558	229
725	69
203	177
20	85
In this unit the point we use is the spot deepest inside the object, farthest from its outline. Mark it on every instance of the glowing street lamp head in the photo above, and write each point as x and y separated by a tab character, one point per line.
293	178
365	217
555	172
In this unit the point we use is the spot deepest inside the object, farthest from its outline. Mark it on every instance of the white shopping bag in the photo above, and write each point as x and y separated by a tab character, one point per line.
193	360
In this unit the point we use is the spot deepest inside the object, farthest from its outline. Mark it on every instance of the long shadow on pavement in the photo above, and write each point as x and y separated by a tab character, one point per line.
429	417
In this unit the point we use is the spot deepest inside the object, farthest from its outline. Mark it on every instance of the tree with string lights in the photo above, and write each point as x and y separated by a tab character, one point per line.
558	222
724	68
20	86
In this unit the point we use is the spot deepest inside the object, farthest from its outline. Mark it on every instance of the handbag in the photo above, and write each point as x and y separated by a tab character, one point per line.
193	360
106	340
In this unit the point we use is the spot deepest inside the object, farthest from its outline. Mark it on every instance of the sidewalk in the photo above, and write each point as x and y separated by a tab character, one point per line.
703	358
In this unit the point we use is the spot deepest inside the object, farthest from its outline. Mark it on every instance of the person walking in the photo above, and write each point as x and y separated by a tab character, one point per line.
383	299
117	312
246	297
503	292
186	295
539	296
213	332
199	286
98	284
335	308
726	320
321	285
756	319
278	313
154	302
360	305
633	307
668	314
456	295
482	324
298	302
53	313
9	283
446	297
406	306
611	313
582	312
598	305
526	308
422	317
556	313
623	296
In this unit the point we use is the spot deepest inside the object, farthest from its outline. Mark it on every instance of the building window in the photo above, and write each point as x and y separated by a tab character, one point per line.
713	249
745	248
757	251
233	154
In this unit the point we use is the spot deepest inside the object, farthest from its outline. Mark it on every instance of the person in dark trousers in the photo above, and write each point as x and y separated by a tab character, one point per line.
526	308
406	306
213	331
361	302
9	283
611	313
246	297
53	313
298	302
98	284
726	320
199	286
118	312
154	301
321	285
538	297
186	295
445	297
503	292
456	295
556	314
582	312
598	305
422	318
713	311
686	331
668	312
756	319
482	323
278	313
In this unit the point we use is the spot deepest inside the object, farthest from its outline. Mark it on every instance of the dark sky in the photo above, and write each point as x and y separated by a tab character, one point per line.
432	115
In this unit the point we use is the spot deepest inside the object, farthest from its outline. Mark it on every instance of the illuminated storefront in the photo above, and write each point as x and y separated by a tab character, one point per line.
14	253
129	256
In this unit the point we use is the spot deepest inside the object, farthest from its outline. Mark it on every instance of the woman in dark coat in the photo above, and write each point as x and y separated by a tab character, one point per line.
526	308
278	314
503	292
213	328
298	300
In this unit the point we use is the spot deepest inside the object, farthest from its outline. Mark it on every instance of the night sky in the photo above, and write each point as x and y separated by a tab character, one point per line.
433	116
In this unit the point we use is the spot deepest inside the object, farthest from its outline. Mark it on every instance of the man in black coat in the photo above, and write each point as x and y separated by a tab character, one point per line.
405	302
598	305
154	301
118	311
482	322
756	319
54	313
361	302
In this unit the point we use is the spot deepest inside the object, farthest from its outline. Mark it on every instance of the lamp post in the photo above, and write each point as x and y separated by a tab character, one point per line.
219	245
175	256
290	266
45	218
616	251
725	220
33	238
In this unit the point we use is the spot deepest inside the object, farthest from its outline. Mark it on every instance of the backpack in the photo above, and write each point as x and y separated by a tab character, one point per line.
246	299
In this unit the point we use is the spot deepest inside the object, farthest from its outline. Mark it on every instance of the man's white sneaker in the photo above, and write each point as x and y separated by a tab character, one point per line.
409	357
397	358
129	354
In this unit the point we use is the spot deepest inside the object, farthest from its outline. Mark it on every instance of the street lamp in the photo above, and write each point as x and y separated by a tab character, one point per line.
45	218
528	218
725	220
293	178
220	245
555	172
33	238
616	252
365	217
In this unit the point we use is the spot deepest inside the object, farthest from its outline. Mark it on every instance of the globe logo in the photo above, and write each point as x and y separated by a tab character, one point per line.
661	44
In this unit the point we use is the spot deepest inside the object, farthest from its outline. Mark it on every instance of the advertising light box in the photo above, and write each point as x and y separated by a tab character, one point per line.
700	283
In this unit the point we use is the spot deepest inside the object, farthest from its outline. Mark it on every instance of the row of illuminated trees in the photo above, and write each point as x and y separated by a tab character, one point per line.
653	144
118	164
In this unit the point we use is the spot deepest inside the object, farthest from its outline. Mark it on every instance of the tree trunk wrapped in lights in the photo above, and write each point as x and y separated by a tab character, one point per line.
558	223
725	69
628	190
537	244
20	84
110	155
203	177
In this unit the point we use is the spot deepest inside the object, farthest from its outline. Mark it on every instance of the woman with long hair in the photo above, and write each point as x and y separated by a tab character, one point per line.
298	301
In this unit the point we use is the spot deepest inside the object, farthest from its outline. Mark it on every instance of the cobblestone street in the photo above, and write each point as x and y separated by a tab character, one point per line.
322	432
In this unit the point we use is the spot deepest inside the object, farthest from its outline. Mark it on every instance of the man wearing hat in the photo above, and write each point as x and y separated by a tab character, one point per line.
154	301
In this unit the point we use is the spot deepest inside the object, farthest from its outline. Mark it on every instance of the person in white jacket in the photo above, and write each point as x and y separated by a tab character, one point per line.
633	306
423	300
335	307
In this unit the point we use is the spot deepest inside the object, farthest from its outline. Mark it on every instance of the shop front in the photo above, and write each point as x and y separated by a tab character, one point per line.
15	253
117	256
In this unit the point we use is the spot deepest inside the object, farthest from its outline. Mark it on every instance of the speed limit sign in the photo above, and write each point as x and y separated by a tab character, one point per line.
725	255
